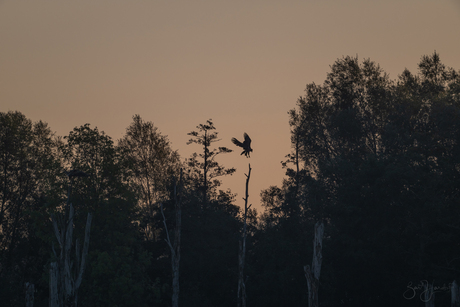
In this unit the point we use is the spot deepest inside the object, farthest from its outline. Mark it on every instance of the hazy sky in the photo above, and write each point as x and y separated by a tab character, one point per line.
179	63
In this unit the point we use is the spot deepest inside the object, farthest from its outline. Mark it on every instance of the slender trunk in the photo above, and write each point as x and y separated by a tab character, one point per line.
428	296
312	274
175	247
65	275
68	281
205	184
30	289
297	145
455	302
241	296
54	284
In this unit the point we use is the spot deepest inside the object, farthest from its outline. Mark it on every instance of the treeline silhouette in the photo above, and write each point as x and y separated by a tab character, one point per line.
376	160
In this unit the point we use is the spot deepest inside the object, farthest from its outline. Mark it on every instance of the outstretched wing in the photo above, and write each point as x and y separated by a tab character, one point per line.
247	140
236	142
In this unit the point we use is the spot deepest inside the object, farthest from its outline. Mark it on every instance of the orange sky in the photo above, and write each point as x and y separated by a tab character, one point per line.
179	63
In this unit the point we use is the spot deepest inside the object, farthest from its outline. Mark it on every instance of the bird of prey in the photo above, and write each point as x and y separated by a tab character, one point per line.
75	173
246	145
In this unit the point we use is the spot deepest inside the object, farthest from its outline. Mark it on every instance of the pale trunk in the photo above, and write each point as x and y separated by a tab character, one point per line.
175	247
312	274
428	295
54	281
64	282
455	302
241	296
30	289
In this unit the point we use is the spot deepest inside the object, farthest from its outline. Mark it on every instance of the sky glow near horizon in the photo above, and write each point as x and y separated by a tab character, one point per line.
177	64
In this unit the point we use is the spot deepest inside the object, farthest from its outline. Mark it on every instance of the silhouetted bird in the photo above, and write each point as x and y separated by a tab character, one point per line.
76	173
246	144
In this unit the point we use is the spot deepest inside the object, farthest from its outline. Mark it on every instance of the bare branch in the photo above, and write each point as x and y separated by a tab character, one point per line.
56	229
168	240
85	251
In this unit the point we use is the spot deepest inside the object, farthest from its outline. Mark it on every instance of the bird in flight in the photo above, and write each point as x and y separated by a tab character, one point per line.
76	173
246	145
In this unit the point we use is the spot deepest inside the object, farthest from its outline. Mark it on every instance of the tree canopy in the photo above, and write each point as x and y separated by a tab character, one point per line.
376	160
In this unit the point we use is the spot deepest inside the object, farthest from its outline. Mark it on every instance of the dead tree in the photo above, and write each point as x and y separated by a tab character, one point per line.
454	290
242	249
65	275
54	300
175	247
30	289
312	274
428	296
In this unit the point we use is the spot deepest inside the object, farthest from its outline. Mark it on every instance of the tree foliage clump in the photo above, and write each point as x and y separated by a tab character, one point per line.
206	169
151	164
29	171
377	159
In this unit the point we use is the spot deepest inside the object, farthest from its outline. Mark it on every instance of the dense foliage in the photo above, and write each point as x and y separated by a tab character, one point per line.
375	159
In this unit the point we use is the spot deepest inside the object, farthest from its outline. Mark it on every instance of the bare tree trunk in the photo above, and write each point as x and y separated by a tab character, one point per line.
65	275
454	290
205	172
428	295
54	281
312	274
175	247
241	296
30	289
68	282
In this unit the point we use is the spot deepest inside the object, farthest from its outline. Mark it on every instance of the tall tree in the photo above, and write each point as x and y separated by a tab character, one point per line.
28	169
153	163
381	155
210	227
116	274
208	169
174	246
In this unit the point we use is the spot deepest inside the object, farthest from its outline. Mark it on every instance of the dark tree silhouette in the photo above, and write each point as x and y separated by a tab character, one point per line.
377	160
209	166
152	163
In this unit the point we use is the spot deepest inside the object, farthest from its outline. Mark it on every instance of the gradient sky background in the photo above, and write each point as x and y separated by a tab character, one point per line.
179	63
